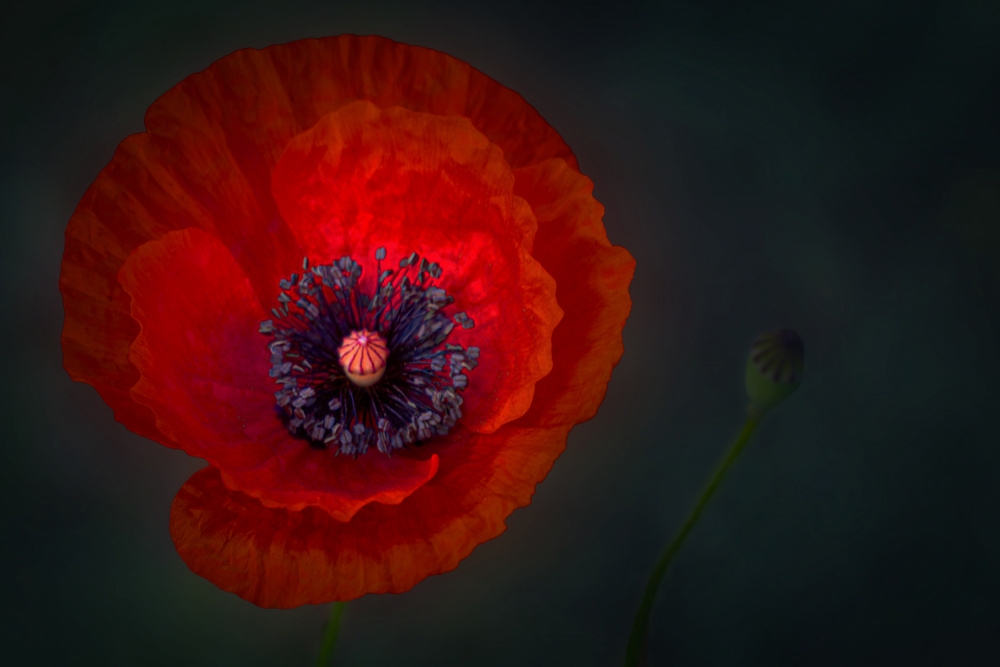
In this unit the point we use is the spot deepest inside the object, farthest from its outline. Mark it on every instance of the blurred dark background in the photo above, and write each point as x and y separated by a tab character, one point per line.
834	167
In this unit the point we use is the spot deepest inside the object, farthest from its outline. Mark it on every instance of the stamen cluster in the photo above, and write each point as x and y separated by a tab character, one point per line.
418	395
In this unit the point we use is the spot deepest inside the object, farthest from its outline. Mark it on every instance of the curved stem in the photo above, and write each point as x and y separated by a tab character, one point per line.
330	633
637	640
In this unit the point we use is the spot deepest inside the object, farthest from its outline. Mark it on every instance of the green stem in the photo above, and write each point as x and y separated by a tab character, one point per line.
330	633
637	640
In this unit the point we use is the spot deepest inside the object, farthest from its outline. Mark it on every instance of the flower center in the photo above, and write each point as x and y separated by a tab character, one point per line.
364	370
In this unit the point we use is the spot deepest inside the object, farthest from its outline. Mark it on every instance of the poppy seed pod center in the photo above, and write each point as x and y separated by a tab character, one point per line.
360	370
363	355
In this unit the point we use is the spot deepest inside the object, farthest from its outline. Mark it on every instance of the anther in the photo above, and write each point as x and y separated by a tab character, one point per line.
340	386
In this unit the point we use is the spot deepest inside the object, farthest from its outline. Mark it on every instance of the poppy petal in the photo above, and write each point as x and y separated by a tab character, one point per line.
277	558
364	178
317	76
149	190
204	374
573	246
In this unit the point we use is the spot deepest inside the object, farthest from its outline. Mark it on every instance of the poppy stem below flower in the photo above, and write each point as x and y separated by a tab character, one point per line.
636	652
330	633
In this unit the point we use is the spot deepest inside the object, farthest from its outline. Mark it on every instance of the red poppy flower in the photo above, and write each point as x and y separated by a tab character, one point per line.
424	195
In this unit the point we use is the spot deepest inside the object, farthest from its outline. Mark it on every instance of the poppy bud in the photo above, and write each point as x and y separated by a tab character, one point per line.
774	369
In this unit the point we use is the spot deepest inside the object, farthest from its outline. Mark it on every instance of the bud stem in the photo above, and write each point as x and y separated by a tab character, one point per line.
330	633
636	652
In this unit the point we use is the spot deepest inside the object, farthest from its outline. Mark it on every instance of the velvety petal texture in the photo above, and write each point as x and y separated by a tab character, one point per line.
322	148
296	558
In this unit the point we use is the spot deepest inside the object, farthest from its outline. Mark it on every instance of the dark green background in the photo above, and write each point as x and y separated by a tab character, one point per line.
834	167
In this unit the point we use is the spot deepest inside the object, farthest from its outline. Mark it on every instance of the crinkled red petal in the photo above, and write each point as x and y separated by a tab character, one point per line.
204	374
155	185
364	178
318	76
593	278
277	558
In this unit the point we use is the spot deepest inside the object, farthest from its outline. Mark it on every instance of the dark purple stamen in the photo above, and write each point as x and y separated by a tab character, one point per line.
418	395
